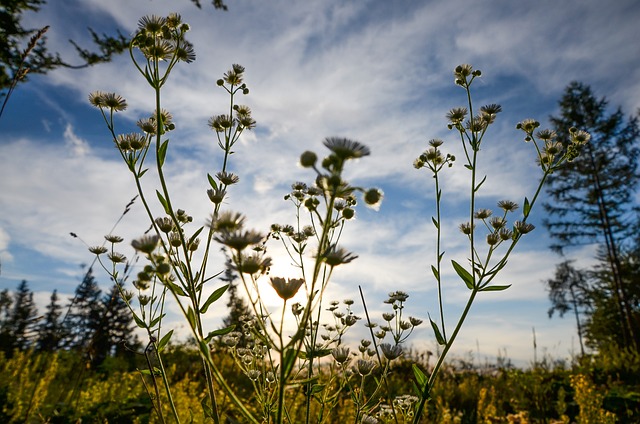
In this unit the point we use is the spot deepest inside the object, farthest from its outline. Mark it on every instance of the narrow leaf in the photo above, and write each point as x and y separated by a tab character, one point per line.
527	207
480	183
495	288
219	332
191	317
214	296
195	235
163	202
140	323
164	341
435	223
162	152
464	274
441	341
156	321
289	361
212	182
435	272
420	376
175	289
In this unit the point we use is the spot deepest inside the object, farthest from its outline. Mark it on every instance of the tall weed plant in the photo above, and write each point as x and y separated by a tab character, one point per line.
312	361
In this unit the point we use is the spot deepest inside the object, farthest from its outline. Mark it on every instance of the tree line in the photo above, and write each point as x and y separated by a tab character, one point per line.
96	324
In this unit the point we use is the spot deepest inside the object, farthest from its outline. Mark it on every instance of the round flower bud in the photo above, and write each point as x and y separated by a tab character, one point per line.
308	159
348	213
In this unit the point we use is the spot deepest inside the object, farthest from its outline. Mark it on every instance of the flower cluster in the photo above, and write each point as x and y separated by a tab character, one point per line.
161	39
553	153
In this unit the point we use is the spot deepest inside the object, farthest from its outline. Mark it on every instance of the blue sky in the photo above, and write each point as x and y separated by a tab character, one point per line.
379	72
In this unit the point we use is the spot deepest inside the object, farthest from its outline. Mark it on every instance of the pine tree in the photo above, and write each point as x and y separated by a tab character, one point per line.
85	313
50	331
592	198
18	329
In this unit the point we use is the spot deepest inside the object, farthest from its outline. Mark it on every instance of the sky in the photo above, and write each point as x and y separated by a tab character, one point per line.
379	72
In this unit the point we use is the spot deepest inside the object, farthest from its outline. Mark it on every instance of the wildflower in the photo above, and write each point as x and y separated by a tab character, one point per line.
238	240
151	24
165	224
220	123
253	375
483	213
507	205
580	137
113	101
350	320
117	258
466	228
227	178
270	377
234	75
253	264
523	227
364	367
340	354
388	316
227	221
405	325
415	321
192	245
345	148
391	352
131	141
286	289
505	234
493	239
159	50
457	115
463	71
348	302
528	126
492	109
113	239
147	125
185	52
546	135
216	195
397	296
497	222
98	250
335	256
146	244
174	239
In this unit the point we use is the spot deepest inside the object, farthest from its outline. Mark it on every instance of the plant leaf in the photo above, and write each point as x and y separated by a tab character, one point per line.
435	272
164	341
162	152
420	376
435	223
526	208
163	202
212	182
214	296
441	341
495	288
219	332
464	274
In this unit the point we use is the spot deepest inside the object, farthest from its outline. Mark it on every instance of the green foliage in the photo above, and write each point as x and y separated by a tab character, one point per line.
593	203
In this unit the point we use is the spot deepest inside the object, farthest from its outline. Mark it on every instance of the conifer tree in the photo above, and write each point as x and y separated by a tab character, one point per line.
18	329
85	313
50	331
592	198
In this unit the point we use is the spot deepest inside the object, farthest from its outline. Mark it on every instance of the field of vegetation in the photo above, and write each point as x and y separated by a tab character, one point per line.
107	357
